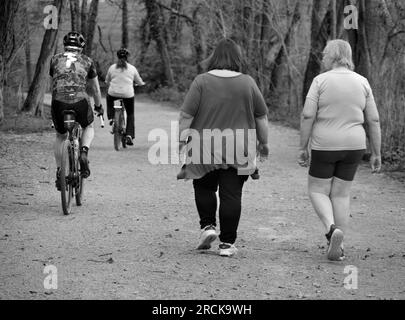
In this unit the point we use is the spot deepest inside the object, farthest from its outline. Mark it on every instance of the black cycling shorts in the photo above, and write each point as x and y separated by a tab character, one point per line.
339	164
84	114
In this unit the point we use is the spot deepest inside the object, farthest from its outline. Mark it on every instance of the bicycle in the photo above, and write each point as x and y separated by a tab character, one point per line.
71	181
119	124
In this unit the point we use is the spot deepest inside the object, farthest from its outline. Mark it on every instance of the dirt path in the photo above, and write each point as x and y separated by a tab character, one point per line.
134	237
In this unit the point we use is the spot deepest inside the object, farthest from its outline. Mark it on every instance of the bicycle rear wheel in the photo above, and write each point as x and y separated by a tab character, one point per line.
65	179
117	129
123	130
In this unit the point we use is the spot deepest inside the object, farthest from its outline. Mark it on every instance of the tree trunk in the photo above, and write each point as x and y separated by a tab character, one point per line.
145	39
91	26
175	21
197	41
28	66
157	33
37	89
334	21
1	89
248	27
75	15
319	38
8	47
84	18
124	43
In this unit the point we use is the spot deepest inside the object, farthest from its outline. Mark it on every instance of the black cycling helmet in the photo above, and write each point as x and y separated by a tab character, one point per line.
123	53
75	40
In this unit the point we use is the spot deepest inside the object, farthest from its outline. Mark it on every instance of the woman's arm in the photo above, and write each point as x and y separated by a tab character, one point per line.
96	91
137	78
262	129
373	122
262	132
108	78
308	118
185	121
189	109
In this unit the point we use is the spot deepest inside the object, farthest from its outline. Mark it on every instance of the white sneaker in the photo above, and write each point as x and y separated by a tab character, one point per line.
335	249
208	236
227	250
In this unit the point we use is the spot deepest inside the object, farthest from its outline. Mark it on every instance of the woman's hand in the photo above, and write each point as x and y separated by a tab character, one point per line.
375	162
263	150
303	158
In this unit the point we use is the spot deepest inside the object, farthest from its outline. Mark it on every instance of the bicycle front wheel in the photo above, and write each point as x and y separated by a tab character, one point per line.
79	193
66	179
79	188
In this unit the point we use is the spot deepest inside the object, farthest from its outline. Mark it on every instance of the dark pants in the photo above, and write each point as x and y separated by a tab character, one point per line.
129	104
230	196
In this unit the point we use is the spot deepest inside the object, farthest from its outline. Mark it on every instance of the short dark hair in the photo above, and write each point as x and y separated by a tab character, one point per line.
227	55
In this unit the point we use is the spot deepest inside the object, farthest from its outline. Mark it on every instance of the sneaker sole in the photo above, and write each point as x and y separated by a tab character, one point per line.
206	244
335	250
227	253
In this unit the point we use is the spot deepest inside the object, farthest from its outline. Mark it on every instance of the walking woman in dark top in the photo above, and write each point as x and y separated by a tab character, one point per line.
223	102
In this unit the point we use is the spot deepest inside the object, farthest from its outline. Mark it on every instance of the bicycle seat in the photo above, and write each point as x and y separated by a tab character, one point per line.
69	112
69	119
118	104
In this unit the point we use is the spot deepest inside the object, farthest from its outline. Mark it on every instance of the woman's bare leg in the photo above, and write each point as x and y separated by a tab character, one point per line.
340	196
319	193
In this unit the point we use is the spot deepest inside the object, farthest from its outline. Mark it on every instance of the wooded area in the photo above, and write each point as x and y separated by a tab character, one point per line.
282	42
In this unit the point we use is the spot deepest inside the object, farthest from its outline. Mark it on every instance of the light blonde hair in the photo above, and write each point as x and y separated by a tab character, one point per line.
340	53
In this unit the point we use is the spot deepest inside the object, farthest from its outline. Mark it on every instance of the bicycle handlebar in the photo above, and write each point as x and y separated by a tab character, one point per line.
102	124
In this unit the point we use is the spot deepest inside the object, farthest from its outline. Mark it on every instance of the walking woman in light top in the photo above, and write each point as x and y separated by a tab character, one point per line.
338	103
227	101
120	81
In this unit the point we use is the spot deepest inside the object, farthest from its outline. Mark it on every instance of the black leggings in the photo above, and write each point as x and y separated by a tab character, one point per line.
230	194
129	104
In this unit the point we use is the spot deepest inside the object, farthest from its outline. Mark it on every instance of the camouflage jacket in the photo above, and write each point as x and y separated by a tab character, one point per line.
70	72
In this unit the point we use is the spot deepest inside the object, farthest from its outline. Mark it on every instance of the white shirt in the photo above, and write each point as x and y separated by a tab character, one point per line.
121	81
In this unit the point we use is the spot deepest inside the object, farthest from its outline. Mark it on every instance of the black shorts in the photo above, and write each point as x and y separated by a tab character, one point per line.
339	164
84	114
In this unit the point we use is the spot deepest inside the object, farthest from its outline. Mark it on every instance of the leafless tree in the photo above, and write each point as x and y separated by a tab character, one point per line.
36	92
8	42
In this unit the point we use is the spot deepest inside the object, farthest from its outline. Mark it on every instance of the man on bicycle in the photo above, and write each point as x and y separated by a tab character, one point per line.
71	71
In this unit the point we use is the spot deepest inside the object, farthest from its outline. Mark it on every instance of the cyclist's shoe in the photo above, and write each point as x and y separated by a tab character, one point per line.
208	236
130	142
335	244
227	250
57	181
84	163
